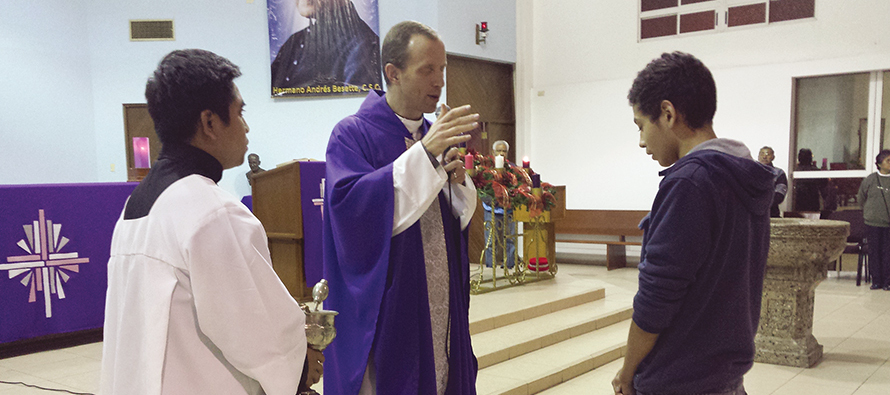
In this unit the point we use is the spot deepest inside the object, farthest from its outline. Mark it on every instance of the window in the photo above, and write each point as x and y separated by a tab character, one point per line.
839	128
663	18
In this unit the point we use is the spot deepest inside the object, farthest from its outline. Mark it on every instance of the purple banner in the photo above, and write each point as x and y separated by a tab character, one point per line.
311	174
54	249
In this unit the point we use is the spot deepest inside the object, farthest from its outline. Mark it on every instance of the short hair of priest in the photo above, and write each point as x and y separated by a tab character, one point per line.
395	44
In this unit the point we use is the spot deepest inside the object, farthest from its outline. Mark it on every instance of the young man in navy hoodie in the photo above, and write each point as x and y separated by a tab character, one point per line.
705	243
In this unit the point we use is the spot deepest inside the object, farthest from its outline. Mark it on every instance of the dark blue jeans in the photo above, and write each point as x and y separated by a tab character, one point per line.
502	220
878	254
738	390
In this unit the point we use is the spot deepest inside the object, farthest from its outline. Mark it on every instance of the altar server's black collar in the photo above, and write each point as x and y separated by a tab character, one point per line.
175	161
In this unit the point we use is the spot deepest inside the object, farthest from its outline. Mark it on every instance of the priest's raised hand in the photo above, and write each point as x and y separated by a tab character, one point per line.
450	129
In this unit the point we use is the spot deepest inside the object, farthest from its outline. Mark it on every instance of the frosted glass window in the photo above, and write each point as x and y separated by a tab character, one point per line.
658	27
659	18
786	10
650	5
832	121
698	21
746	15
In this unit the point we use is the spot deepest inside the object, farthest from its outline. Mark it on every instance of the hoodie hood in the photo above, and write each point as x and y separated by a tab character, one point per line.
731	160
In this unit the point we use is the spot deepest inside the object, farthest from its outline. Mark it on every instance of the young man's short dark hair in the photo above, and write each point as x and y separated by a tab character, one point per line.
681	79
186	83
395	44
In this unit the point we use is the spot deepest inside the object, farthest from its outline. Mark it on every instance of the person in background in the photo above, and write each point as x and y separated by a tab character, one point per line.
500	148
873	196
705	242
503	218
813	194
766	157
807	190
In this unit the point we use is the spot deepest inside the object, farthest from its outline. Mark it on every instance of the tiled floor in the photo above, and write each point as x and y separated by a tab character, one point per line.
852	323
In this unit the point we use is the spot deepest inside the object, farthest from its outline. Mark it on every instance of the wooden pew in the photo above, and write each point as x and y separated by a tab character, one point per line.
621	223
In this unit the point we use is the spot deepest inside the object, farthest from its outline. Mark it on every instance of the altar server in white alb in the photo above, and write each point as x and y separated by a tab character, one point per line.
193	305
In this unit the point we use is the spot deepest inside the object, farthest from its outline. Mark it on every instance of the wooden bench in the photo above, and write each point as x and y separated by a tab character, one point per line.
621	223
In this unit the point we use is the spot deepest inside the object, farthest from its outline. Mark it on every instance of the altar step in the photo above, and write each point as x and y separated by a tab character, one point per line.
565	334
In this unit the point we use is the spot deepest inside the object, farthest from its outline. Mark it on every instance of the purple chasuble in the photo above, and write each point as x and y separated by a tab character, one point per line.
377	281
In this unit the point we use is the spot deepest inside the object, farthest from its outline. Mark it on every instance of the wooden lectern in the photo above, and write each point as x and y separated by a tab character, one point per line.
276	203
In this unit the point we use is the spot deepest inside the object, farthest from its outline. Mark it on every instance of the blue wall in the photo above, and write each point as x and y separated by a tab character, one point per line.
70	66
46	113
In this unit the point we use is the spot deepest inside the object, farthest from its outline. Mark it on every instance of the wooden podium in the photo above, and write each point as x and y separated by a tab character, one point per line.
276	203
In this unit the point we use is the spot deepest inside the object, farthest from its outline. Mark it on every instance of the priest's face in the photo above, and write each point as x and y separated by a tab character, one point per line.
232	138
657	138
420	83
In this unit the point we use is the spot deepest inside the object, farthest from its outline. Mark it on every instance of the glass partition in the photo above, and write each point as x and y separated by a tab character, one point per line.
832	122
839	128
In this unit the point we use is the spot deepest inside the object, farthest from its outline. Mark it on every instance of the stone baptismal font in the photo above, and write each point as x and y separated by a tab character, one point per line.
799	253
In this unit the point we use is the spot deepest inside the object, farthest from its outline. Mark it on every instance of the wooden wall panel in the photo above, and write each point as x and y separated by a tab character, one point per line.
488	87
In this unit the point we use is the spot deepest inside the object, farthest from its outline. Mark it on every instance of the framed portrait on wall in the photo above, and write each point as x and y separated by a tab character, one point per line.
324	47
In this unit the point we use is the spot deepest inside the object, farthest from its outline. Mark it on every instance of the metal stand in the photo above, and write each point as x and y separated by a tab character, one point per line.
500	275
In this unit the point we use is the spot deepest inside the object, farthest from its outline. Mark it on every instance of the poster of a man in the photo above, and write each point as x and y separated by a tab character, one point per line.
324	47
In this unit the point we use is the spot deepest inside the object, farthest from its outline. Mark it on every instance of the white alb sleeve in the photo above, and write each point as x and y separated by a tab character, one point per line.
241	304
416	184
464	204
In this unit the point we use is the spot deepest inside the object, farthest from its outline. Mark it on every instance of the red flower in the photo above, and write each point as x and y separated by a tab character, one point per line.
510	187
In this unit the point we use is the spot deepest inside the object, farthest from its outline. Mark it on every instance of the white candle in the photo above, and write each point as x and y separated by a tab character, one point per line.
499	162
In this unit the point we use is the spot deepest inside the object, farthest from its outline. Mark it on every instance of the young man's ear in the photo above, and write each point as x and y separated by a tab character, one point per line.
669	112
208	123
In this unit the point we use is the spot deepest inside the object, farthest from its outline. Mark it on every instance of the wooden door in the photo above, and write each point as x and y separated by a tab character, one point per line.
488	87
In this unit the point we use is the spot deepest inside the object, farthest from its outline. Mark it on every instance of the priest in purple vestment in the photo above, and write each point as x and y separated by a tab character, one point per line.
396	213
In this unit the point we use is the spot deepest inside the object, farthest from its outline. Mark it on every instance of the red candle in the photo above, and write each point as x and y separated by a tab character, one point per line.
525	163
468	161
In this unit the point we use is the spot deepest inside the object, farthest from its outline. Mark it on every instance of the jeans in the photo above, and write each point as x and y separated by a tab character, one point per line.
878	254
740	390
501	220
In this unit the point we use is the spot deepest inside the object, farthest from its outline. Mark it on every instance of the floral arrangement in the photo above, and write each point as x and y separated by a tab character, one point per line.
511	187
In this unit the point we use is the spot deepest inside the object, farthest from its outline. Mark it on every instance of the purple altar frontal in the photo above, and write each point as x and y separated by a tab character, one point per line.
311	174
54	248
